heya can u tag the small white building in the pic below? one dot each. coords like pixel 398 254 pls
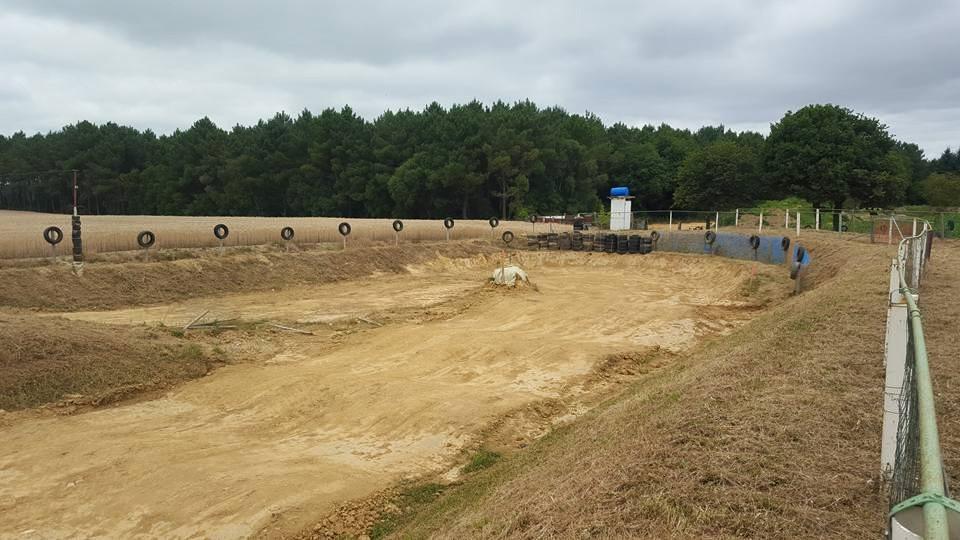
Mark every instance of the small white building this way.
pixel 621 215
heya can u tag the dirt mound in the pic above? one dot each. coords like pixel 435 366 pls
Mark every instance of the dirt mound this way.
pixel 112 285
pixel 772 432
pixel 49 360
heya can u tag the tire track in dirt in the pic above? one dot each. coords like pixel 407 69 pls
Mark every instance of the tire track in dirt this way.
pixel 254 444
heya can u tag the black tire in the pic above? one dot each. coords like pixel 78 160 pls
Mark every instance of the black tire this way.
pixel 784 243
pixel 146 239
pixel 494 222
pixel 344 228
pixel 448 223
pixel 754 242
pixel 801 252
pixel 53 235
pixel 221 231
pixel 844 228
pixel 287 233
pixel 507 237
pixel 397 225
pixel 710 237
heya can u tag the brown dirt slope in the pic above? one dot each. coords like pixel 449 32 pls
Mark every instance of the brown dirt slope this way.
pixel 771 432
pixel 48 359
pixel 113 285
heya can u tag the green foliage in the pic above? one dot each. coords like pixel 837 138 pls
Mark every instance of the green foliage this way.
pixel 482 459
pixel 470 160
pixel 829 154
pixel 722 175
pixel 787 203
pixel 943 189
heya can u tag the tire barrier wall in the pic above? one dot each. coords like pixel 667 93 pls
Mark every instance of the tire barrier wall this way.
pixel 734 246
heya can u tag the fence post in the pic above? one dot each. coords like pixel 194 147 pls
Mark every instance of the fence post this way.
pixel 798 224
pixel 760 228
pixel 716 223
pixel 736 218
pixel 894 359
pixel 840 228
pixel 818 219
pixel 670 224
pixel 914 227
pixel 786 219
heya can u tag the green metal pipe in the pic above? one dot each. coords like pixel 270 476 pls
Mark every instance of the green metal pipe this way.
pixel 931 464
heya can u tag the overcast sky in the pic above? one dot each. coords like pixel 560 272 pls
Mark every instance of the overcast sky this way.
pixel 164 64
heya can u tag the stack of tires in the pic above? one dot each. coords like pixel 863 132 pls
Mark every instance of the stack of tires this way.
pixel 576 241
pixel 564 242
pixel 633 243
pixel 622 243
pixel 76 238
pixel 610 243
pixel 553 241
pixel 646 245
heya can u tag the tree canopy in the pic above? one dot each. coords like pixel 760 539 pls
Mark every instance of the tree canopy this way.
pixel 470 160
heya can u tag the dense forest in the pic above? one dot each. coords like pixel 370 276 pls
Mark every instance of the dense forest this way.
pixel 469 160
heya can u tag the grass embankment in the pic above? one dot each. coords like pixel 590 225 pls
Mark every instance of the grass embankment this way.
pixel 771 432
pixel 109 285
pixel 47 360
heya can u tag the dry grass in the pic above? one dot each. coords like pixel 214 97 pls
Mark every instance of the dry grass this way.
pixel 108 285
pixel 21 232
pixel 771 432
pixel 46 360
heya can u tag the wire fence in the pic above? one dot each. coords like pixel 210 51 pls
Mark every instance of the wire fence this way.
pixel 911 460
pixel 879 226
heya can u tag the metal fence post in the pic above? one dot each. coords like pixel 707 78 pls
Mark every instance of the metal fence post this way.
pixel 786 219
pixel 760 227
pixel 716 223
pixel 818 219
pixel 736 218
pixel 798 224
pixel 670 224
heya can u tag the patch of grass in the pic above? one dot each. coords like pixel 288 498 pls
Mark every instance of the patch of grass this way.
pixel 410 501
pixel 191 353
pixel 176 332
pixel 481 460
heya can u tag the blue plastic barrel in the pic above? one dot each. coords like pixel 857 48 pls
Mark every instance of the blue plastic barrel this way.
pixel 620 192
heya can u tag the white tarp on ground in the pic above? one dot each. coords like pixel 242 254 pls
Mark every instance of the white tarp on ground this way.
pixel 508 275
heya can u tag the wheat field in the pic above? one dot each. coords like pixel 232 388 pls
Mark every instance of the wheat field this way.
pixel 21 233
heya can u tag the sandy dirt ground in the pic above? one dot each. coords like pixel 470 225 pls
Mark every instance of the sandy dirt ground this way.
pixel 279 443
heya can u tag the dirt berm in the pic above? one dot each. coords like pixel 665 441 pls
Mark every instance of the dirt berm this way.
pixel 770 432
pixel 106 285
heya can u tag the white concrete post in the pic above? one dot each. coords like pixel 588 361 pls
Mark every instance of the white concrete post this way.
pixel 798 223
pixel 818 219
pixel 890 231
pixel 840 229
pixel 736 218
pixel 786 219
pixel 914 227
pixel 670 224
pixel 760 228
pixel 716 223
pixel 894 358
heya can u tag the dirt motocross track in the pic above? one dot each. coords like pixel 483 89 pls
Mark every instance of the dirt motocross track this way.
pixel 281 442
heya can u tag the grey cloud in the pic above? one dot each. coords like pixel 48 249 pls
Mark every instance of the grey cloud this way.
pixel 742 63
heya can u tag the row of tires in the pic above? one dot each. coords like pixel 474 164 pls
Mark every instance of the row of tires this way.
pixel 145 239
pixel 608 243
